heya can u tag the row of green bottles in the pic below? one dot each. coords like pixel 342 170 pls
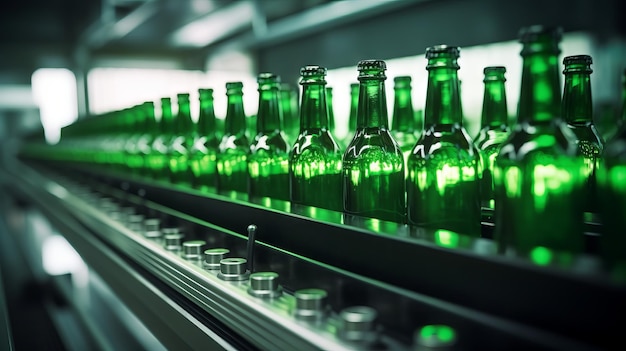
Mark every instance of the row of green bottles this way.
pixel 538 177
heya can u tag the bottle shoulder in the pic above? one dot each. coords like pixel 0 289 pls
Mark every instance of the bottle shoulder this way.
pixel 273 142
pixel 446 139
pixel 234 143
pixel 539 138
pixel 319 142
pixel 490 138
pixel 373 143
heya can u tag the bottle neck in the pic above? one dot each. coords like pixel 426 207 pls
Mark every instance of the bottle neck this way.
pixel 184 124
pixel 269 113
pixel 403 114
pixel 167 119
pixel 206 118
pixel 372 108
pixel 495 112
pixel 443 99
pixel 149 122
pixel 235 122
pixel 314 111
pixel 540 95
pixel 577 106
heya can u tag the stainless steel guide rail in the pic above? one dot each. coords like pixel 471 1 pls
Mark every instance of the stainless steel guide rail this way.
pixel 271 324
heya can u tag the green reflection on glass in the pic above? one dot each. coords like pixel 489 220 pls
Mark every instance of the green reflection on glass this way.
pixel 446 238
pixel 441 333
pixel 541 255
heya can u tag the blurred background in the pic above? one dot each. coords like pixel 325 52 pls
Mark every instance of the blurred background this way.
pixel 67 59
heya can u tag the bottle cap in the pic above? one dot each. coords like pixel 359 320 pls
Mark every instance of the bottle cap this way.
pixel 205 91
pixel 182 96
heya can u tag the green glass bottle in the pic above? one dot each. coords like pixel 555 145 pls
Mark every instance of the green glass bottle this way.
pixel 315 159
pixel 537 177
pixel 288 105
pixel 577 111
pixel 373 165
pixel 403 126
pixel 159 151
pixel 206 145
pixel 443 182
pixel 612 198
pixel 494 129
pixel 181 143
pixel 268 162
pixel 232 159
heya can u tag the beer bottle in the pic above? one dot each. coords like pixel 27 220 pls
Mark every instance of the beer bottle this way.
pixel 442 185
pixel 494 129
pixel 403 127
pixel 206 145
pixel 537 177
pixel 373 165
pixel 612 197
pixel 232 166
pixel 315 159
pixel 577 111
pixel 159 151
pixel 181 143
pixel 268 163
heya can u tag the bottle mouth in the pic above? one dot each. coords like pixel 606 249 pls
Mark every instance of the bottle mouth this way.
pixel 442 56
pixel 494 73
pixel 442 51
pixel 372 69
pixel 268 81
pixel 234 85
pixel 577 64
pixel 540 39
pixel 313 74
